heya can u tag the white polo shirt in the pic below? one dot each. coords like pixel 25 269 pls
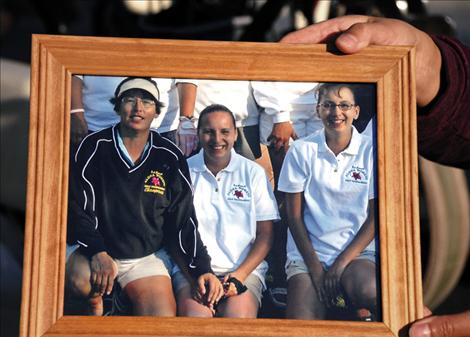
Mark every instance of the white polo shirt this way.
pixel 235 95
pixel 337 190
pixel 287 101
pixel 228 207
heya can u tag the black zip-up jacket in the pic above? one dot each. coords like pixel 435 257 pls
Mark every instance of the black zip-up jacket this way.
pixel 131 211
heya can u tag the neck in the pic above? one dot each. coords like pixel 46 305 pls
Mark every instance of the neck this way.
pixel 338 142
pixel 134 141
pixel 215 166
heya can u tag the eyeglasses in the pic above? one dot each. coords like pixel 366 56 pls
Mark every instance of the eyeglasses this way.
pixel 343 106
pixel 146 102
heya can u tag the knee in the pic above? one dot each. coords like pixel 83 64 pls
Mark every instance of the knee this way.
pixel 363 294
pixel 190 308
pixel 79 285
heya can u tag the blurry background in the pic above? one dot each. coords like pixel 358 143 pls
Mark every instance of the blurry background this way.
pixel 444 197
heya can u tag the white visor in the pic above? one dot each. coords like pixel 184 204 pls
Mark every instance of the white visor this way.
pixel 140 83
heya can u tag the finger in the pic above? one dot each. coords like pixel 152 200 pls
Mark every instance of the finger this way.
pixel 322 31
pixel 201 286
pixel 104 283
pixel 294 135
pixel 442 326
pixel 110 286
pixel 427 312
pixel 286 146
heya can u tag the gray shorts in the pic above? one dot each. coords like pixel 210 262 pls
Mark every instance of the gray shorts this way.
pixel 252 282
pixel 156 264
pixel 294 267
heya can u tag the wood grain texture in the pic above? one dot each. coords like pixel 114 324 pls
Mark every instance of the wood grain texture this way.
pixel 55 58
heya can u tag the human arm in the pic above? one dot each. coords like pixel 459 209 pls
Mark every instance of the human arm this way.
pixel 280 135
pixel 183 241
pixel 357 32
pixel 82 229
pixel 363 238
pixel 187 133
pixel 259 250
pixel 294 207
pixel 442 78
pixel 78 124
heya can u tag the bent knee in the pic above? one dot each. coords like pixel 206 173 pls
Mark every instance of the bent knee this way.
pixel 79 285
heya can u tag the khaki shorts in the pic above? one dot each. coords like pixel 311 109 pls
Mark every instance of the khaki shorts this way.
pixel 252 282
pixel 156 264
pixel 299 267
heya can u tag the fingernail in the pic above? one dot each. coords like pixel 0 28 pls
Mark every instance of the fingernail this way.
pixel 348 40
pixel 420 330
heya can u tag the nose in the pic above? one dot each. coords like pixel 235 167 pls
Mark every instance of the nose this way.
pixel 138 106
pixel 217 136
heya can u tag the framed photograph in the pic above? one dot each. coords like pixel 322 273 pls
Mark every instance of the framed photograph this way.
pixel 388 70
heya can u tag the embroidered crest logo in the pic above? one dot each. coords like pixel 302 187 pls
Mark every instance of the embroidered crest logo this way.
pixel 356 175
pixel 239 192
pixel 155 183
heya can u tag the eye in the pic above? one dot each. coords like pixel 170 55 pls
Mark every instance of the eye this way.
pixel 147 101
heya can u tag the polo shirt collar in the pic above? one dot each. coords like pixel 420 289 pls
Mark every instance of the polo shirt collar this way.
pixel 200 166
pixel 353 147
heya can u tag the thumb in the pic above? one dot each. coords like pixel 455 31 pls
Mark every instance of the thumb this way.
pixel 457 325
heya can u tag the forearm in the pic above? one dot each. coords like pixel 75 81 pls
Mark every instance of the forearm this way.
pixel 362 239
pixel 299 232
pixel 259 250
pixel 187 98
pixel 445 123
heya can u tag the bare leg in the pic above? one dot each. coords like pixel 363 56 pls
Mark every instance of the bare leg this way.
pixel 77 282
pixel 152 296
pixel 302 299
pixel 188 306
pixel 239 306
pixel 359 283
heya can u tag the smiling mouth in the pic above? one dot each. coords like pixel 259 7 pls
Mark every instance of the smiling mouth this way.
pixel 136 117
pixel 336 121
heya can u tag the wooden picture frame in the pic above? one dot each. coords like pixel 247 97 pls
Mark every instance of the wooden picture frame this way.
pixel 56 58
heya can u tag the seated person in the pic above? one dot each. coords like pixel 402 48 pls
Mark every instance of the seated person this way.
pixel 328 178
pixel 235 207
pixel 131 211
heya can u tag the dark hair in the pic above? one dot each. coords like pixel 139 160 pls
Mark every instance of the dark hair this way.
pixel 215 108
pixel 325 88
pixel 117 102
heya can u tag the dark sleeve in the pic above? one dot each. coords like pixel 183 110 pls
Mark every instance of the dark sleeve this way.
pixel 444 125
pixel 181 233
pixel 81 219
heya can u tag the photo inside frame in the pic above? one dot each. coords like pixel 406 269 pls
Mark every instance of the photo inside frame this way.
pixel 338 193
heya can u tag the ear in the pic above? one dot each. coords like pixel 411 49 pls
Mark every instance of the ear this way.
pixel 236 134
pixel 358 109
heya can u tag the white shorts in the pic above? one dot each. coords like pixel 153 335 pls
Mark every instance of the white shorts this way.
pixel 252 282
pixel 156 264
pixel 294 267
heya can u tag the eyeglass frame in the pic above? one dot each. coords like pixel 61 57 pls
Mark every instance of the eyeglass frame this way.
pixel 331 105
pixel 146 102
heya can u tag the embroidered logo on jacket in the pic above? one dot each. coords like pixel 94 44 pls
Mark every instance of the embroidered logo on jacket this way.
pixel 239 192
pixel 154 183
pixel 356 175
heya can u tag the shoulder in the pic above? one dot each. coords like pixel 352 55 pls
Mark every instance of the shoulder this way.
pixel 164 144
pixel 90 143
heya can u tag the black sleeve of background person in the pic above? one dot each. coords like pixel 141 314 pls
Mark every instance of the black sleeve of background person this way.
pixel 366 98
